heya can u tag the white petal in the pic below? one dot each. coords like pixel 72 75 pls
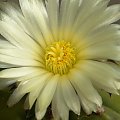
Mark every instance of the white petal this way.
pixel 59 108
pixel 42 19
pixel 6 65
pixel 15 98
pixel 26 87
pixel 101 74
pixel 83 86
pixel 105 34
pixel 55 110
pixel 39 114
pixel 17 72
pixel 112 14
pixel 62 19
pixel 53 10
pixel 35 13
pixel 116 69
pixel 99 35
pixel 68 13
pixel 21 53
pixel 12 13
pixel 72 11
pixel 31 84
pixel 36 73
pixel 19 61
pixel 5 44
pixel 88 21
pixel 100 51
pixel 46 95
pixel 15 17
pixel 70 96
pixel 17 36
pixel 33 95
pixel 87 105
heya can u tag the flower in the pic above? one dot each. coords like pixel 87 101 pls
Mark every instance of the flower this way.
pixel 60 53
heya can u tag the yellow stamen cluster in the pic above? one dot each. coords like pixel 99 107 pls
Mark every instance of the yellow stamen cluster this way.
pixel 60 57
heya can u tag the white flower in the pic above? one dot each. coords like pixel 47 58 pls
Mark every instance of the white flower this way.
pixel 59 52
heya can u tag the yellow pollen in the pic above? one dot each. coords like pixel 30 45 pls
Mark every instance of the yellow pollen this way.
pixel 60 57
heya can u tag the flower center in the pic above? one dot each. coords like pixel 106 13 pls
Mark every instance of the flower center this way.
pixel 60 57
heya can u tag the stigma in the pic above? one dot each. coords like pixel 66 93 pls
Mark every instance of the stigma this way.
pixel 60 57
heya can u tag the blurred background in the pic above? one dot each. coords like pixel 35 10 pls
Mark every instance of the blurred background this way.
pixel 17 112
